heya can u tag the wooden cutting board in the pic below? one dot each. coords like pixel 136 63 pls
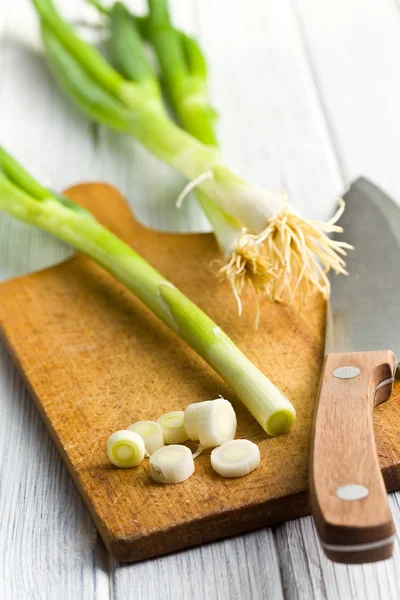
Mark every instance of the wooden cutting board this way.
pixel 95 360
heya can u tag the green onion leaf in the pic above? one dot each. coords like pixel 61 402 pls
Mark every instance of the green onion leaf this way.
pixel 195 59
pixel 127 47
pixel 72 205
pixel 87 56
pixel 17 174
pixel 95 101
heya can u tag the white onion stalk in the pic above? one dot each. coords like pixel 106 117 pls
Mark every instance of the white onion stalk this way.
pixel 216 423
pixel 235 458
pixel 173 429
pixel 265 242
pixel 151 433
pixel 171 464
pixel 125 449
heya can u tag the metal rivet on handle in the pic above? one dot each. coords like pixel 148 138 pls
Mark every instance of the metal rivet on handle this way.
pixel 352 491
pixel 346 372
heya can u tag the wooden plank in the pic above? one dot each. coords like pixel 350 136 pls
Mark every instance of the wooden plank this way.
pixel 307 573
pixel 242 568
pixel 353 49
pixel 200 572
pixel 270 32
pixel 70 149
pixel 47 538
pixel 37 122
pixel 48 541
pixel 272 128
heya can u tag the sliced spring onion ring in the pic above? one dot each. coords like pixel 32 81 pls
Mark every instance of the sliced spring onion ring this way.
pixel 216 423
pixel 191 419
pixel 235 458
pixel 152 434
pixel 171 464
pixel 173 427
pixel 125 449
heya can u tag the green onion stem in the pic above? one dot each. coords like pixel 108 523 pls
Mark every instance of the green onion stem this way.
pixel 183 70
pixel 189 98
pixel 264 400
pixel 100 7
pixel 186 66
pixel 190 103
pixel 184 73
pixel 193 53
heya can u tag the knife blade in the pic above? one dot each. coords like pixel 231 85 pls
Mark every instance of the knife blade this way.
pixel 348 496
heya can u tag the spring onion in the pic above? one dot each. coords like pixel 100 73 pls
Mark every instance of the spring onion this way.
pixel 212 422
pixel 191 419
pixel 235 458
pixel 125 449
pixel 25 199
pixel 151 433
pixel 282 254
pixel 171 464
pixel 184 73
pixel 216 423
pixel 173 428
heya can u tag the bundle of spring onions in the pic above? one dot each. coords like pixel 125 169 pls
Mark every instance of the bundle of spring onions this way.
pixel 24 198
pixel 265 242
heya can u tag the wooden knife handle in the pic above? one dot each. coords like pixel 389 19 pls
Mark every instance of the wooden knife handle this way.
pixel 348 495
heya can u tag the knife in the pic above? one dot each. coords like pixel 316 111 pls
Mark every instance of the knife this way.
pixel 347 492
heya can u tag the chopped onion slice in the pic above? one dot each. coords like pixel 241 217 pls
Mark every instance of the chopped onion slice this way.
pixel 125 449
pixel 171 464
pixel 152 434
pixel 191 419
pixel 216 422
pixel 235 458
pixel 173 428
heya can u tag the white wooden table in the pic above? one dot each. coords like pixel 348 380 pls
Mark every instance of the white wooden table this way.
pixel 309 96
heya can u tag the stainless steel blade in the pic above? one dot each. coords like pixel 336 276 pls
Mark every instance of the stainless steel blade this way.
pixel 364 309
